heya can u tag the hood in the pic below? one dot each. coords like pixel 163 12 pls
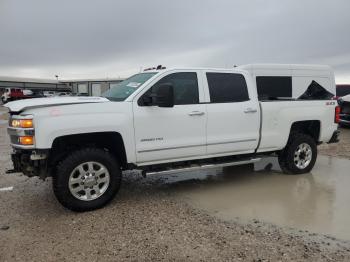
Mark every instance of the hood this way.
pixel 20 105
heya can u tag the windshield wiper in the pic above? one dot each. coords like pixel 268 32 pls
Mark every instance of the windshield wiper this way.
pixel 114 99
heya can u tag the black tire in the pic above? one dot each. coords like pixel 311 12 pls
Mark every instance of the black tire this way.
pixel 286 156
pixel 73 160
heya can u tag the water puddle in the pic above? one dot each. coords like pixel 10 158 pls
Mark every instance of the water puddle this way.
pixel 317 202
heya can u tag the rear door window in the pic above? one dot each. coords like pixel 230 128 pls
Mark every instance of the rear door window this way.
pixel 227 87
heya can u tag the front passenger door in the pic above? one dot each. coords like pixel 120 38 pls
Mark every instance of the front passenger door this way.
pixel 174 133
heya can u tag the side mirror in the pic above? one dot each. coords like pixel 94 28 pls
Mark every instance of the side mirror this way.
pixel 165 95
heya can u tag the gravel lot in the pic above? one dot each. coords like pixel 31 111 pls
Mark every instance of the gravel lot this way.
pixel 145 222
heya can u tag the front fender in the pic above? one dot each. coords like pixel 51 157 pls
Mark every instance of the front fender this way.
pixel 78 119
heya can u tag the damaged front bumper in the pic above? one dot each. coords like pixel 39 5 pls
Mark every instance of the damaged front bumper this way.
pixel 30 162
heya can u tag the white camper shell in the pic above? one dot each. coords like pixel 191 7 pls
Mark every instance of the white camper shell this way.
pixel 301 76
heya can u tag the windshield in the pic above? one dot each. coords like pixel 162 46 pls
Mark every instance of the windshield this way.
pixel 122 90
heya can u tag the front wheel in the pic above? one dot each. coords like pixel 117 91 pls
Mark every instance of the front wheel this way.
pixel 87 179
pixel 299 155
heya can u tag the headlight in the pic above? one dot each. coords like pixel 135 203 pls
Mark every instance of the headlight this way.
pixel 21 131
pixel 21 123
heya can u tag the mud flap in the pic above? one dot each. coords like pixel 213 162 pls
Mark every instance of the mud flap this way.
pixel 335 137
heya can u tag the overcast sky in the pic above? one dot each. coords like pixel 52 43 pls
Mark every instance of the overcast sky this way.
pixel 88 39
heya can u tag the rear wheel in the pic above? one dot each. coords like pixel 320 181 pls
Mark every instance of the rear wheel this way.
pixel 87 179
pixel 299 155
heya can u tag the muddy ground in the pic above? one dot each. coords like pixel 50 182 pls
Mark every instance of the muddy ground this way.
pixel 341 149
pixel 145 222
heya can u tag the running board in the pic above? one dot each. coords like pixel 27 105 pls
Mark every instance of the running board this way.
pixel 203 166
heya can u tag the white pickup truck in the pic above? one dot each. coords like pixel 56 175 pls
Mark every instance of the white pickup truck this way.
pixel 174 120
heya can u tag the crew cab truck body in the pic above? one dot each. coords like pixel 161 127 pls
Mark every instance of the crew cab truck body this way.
pixel 171 120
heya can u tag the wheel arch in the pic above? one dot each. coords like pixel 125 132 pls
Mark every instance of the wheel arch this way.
pixel 110 141
pixel 308 127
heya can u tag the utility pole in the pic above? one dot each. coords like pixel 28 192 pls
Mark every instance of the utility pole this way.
pixel 56 83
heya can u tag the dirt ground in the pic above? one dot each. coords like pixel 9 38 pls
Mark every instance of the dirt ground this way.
pixel 145 222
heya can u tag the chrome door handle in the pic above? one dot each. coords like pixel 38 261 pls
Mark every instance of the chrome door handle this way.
pixel 250 110
pixel 196 113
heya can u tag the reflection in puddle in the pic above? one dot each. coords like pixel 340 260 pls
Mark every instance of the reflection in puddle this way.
pixel 318 202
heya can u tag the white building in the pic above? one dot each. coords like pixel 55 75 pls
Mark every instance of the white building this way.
pixel 87 87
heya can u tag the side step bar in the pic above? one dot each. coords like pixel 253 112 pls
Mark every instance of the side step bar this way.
pixel 203 166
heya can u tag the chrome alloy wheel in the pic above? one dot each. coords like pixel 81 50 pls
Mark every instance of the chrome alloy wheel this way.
pixel 89 181
pixel 303 155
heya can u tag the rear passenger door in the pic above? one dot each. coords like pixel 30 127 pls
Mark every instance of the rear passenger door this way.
pixel 232 114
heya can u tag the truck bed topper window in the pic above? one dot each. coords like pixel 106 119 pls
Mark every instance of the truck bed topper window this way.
pixel 273 87
pixel 316 92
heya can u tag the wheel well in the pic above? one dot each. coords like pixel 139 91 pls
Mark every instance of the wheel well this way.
pixel 110 141
pixel 310 127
